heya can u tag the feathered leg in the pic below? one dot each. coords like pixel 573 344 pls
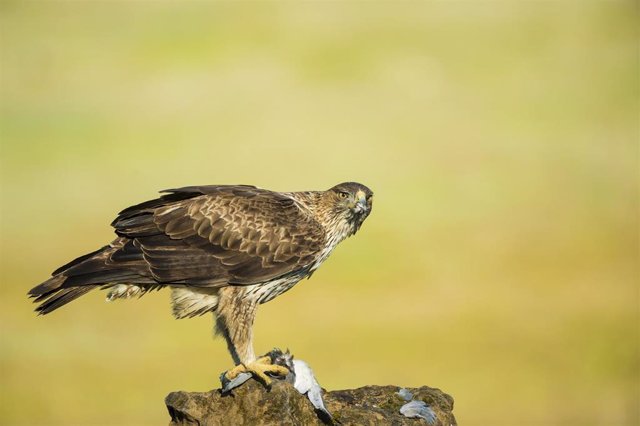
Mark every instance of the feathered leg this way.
pixel 234 321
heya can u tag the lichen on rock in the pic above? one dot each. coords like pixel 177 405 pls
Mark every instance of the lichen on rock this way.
pixel 282 404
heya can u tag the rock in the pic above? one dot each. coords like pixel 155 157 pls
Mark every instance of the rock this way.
pixel 252 404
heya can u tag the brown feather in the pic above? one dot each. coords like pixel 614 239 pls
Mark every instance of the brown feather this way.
pixel 206 236
pixel 225 249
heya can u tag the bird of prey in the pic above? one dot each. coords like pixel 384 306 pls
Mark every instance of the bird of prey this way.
pixel 219 248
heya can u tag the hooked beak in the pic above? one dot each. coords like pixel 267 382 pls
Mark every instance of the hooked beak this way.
pixel 361 205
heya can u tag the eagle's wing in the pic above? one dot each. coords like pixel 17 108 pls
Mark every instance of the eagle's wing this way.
pixel 215 235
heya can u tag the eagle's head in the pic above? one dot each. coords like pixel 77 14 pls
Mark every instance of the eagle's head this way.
pixel 348 204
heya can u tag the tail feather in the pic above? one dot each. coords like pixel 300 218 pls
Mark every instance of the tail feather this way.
pixel 61 298
pixel 82 275
pixel 44 289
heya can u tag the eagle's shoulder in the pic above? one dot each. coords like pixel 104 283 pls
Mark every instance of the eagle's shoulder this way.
pixel 171 196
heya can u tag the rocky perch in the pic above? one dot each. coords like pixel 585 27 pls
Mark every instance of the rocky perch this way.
pixel 253 404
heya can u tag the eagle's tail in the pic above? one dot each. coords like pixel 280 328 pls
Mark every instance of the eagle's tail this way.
pixel 59 296
pixel 79 277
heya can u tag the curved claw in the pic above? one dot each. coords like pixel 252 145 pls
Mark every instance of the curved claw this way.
pixel 258 369
pixel 229 385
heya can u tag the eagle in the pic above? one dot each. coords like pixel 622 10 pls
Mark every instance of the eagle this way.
pixel 224 249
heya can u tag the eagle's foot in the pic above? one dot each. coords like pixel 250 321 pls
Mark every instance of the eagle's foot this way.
pixel 259 369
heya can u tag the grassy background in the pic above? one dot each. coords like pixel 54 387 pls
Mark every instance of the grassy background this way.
pixel 501 139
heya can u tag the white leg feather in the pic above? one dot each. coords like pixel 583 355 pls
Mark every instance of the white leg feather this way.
pixel 189 302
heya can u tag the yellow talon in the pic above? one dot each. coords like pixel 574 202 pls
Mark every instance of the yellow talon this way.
pixel 258 369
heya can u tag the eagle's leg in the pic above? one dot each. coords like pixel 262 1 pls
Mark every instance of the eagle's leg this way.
pixel 234 321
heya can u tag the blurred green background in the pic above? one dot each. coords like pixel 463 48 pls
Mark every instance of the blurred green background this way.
pixel 501 140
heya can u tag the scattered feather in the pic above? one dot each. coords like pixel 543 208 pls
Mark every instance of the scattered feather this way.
pixel 405 394
pixel 418 409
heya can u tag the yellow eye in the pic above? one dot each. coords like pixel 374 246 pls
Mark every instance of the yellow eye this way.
pixel 343 195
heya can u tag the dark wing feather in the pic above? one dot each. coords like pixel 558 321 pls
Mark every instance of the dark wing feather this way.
pixel 90 271
pixel 215 235
pixel 205 235
pixel 61 298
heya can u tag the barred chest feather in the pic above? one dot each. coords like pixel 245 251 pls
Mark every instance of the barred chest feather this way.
pixel 265 292
pixel 272 289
